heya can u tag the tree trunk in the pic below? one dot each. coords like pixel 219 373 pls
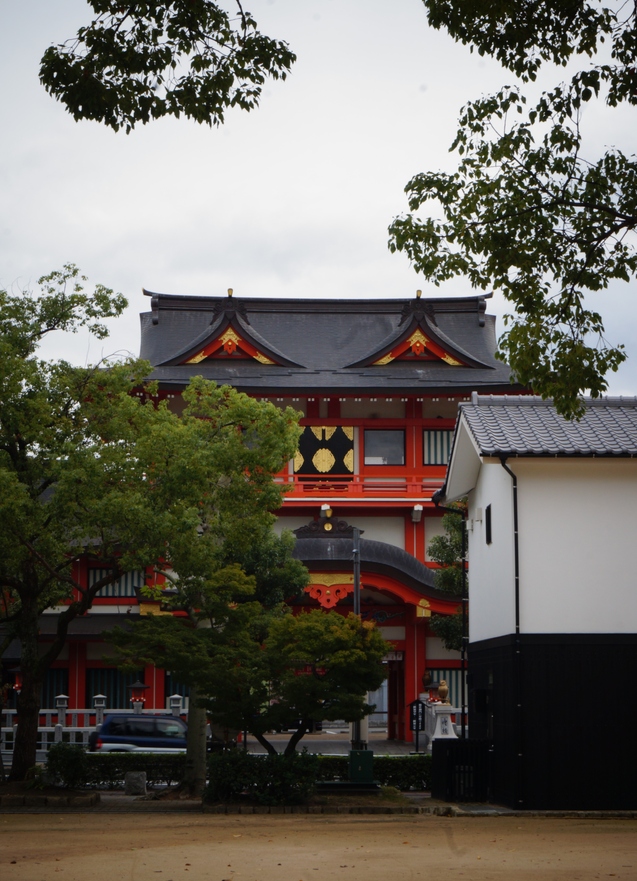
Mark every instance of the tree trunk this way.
pixel 1 759
pixel 26 741
pixel 265 743
pixel 28 703
pixel 290 749
pixel 195 777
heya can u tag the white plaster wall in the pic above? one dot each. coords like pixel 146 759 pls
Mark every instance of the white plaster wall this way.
pixel 578 530
pixel 290 523
pixel 396 633
pixel 387 529
pixel 437 652
pixel 491 567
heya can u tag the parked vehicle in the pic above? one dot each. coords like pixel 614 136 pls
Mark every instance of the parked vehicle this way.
pixel 140 733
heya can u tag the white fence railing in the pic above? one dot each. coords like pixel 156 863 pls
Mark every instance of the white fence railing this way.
pixel 70 726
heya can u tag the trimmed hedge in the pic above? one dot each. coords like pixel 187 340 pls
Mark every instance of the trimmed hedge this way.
pixel 403 772
pixel 67 765
pixel 268 780
pixel 109 769
pixel 71 766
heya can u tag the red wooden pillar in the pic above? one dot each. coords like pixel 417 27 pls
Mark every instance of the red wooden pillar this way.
pixel 156 694
pixel 77 675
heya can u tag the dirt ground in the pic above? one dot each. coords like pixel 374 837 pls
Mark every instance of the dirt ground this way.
pixel 91 847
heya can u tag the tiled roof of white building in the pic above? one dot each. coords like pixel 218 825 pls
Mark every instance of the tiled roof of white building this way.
pixel 528 426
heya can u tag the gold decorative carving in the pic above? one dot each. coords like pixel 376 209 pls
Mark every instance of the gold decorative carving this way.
pixel 330 578
pixel 197 358
pixel 348 431
pixel 443 692
pixel 384 360
pixel 418 337
pixel 327 527
pixel 348 461
pixel 449 360
pixel 230 335
pixel 317 431
pixel 262 359
pixel 329 431
pixel 298 461
pixel 418 342
pixel 151 609
pixel 323 460
pixel 423 609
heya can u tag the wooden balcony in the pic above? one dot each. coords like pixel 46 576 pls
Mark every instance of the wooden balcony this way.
pixel 359 487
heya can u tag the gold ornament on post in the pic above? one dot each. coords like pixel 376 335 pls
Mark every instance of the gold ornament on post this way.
pixel 443 692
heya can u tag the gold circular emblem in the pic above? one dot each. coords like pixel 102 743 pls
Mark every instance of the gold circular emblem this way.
pixel 327 527
pixel 323 460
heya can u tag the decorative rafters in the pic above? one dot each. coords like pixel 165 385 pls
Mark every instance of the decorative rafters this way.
pixel 229 343
pixel 421 346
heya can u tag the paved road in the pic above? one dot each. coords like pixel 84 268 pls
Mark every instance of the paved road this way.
pixel 332 742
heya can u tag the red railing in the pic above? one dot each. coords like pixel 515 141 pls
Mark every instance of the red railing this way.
pixel 364 486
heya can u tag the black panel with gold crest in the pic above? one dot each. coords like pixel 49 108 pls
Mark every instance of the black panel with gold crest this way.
pixel 325 450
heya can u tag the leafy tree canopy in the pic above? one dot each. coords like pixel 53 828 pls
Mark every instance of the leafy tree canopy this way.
pixel 136 62
pixel 93 468
pixel 263 670
pixel 527 211
pixel 447 550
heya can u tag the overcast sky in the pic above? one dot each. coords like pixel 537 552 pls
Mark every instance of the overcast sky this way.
pixel 290 200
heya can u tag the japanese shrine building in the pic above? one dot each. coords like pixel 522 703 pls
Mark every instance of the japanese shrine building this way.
pixel 378 383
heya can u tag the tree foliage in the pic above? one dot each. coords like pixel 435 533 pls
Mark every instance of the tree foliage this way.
pixel 528 212
pixel 94 468
pixel 265 670
pixel 447 551
pixel 136 62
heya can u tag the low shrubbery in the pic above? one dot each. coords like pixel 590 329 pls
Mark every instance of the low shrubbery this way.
pixel 69 765
pixel 233 774
pixel 402 772
pixel 276 780
pixel 267 780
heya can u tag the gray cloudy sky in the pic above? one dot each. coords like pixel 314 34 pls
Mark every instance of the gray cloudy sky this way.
pixel 290 200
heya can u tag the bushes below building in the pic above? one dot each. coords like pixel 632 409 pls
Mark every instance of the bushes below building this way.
pixel 266 780
pixel 232 774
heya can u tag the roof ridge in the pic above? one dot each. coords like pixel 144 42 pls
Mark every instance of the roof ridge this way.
pixel 536 401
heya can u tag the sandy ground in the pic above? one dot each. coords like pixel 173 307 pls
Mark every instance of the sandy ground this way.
pixel 141 847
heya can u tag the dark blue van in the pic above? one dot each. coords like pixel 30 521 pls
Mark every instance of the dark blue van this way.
pixel 140 733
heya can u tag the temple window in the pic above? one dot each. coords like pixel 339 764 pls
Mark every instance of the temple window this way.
pixel 123 587
pixel 384 446
pixel 436 446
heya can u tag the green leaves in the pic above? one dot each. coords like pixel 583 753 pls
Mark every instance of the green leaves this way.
pixel 527 212
pixel 446 550
pixel 135 63
pixel 524 35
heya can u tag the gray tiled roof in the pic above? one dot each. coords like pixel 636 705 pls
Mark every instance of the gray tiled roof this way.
pixel 529 426
pixel 322 340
